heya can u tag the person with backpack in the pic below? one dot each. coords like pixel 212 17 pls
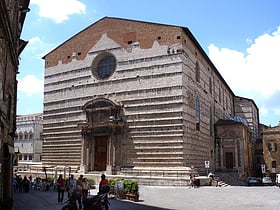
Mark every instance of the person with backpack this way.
pixel 104 187
pixel 60 188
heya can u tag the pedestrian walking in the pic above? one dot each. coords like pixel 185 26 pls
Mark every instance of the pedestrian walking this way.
pixel 211 176
pixel 20 183
pixel 80 191
pixel 219 179
pixel 71 185
pixel 25 184
pixel 60 188
pixel 85 188
pixel 103 185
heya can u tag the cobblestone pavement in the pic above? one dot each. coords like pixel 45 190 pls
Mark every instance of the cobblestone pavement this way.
pixel 181 198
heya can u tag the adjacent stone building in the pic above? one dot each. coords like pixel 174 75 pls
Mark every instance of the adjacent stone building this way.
pixel 271 146
pixel 131 94
pixel 236 139
pixel 28 140
pixel 12 15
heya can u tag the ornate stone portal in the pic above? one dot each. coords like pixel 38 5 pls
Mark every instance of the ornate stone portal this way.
pixel 102 133
pixel 232 147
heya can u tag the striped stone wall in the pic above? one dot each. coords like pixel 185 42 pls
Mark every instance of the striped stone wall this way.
pixel 155 84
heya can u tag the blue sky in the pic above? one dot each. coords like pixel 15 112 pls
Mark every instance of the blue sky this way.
pixel 241 37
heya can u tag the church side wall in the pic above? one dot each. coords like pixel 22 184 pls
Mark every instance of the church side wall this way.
pixel 215 102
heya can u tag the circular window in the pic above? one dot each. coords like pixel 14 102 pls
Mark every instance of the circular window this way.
pixel 104 65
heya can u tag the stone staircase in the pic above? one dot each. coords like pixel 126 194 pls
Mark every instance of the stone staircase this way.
pixel 173 176
pixel 230 179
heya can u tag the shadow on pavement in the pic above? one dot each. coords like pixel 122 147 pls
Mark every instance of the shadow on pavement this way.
pixel 47 200
pixel 124 204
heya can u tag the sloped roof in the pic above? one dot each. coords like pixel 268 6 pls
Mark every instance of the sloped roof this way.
pixel 233 120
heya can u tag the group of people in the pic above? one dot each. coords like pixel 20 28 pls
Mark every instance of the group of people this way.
pixel 74 187
pixel 22 185
pixel 195 182
pixel 77 189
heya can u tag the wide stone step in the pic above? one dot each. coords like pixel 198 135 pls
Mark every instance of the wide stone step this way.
pixel 163 136
pixel 157 173
pixel 160 153
pixel 145 126
pixel 156 147
pixel 159 158
pixel 158 164
pixel 155 133
pixel 158 141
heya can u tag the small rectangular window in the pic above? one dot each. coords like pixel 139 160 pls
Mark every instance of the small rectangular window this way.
pixel 273 164
pixel 272 147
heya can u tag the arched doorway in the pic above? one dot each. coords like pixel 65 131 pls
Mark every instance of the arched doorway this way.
pixel 102 133
pixel 100 153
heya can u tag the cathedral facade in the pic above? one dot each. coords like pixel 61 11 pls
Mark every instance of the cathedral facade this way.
pixel 131 94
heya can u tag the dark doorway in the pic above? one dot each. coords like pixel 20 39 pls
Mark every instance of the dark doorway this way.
pixel 100 153
pixel 229 160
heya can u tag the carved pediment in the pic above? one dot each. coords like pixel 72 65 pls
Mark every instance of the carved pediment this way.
pixel 228 134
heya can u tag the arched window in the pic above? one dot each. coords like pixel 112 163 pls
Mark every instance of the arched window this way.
pixel 197 72
pixel 25 135
pixel 197 114
pixel 20 136
pixel 30 135
pixel 210 85
pixel 104 65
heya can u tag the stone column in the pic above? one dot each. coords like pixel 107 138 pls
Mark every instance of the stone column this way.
pixel 109 156
pixel 83 152
pixel 222 153
pixel 242 152
pixel 236 153
pixel 217 154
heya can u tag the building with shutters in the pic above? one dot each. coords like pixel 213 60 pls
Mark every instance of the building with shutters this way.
pixel 28 141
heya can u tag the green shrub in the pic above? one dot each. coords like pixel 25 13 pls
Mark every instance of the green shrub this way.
pixel 50 179
pixel 130 186
pixel 91 181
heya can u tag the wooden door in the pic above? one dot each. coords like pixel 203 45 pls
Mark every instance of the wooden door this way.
pixel 229 160
pixel 100 153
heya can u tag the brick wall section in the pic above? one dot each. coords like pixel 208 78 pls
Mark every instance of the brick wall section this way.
pixel 118 30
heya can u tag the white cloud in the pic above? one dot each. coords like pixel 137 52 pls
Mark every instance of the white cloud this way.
pixel 263 111
pixel 37 48
pixel 254 74
pixel 258 70
pixel 31 85
pixel 59 10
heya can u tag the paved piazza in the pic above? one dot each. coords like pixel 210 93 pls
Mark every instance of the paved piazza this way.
pixel 181 198
pixel 232 197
